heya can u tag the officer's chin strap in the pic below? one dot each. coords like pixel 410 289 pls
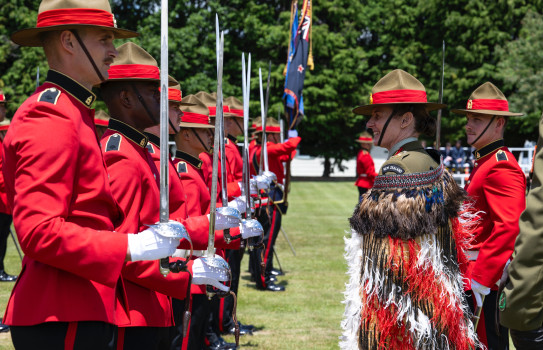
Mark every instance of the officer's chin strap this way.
pixel 78 38
pixel 386 126
pixel 199 139
pixel 484 130
pixel 237 123
pixel 142 101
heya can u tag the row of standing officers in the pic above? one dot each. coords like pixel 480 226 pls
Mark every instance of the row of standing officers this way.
pixel 84 212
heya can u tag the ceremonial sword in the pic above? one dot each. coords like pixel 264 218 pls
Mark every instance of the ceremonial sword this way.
pixel 246 88
pixel 263 114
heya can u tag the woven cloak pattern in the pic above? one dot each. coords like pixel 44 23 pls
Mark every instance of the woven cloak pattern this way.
pixel 406 247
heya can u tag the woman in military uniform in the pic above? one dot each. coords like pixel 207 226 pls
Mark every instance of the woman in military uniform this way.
pixel 405 289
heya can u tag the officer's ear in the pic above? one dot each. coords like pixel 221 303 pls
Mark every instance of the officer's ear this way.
pixel 67 39
pixel 406 119
pixel 125 98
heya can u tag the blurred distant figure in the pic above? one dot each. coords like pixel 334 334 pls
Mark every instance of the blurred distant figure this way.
pixel 447 156
pixel 365 169
pixel 458 156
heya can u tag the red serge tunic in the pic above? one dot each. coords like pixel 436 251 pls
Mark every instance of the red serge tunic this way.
pixel 63 211
pixel 134 181
pixel 497 185
pixel 365 170
pixel 276 153
pixel 198 203
pixel 4 206
pixel 234 169
pixel 196 225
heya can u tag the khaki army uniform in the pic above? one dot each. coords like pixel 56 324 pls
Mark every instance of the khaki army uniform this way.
pixel 521 302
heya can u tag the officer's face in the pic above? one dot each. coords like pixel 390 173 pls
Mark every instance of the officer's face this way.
pixel 99 43
pixel 476 124
pixel 205 136
pixel 273 137
pixel 175 116
pixel 148 108
pixel 231 127
pixel 376 123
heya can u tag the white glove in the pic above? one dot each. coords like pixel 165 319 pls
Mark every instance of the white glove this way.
pixel 150 245
pixel 262 182
pixel 211 271
pixel 238 203
pixel 223 222
pixel 478 291
pixel 250 228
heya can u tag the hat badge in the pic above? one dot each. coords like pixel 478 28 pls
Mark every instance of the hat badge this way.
pixel 371 99
pixel 114 21
pixel 470 104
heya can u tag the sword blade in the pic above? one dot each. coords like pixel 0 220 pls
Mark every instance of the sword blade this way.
pixel 246 88
pixel 164 171
pixel 264 152
pixel 216 145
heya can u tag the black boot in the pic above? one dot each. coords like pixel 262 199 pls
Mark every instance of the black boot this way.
pixel 4 277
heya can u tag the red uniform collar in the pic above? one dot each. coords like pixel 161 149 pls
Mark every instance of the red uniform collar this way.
pixel 488 149
pixel 72 87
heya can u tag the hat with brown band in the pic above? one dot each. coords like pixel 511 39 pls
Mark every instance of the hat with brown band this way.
pixel 487 99
pixel 235 106
pixel 195 114
pixel 101 118
pixel 135 64
pixel 70 14
pixel 272 126
pixel 210 100
pixel 397 87
pixel 365 138
pixel 2 97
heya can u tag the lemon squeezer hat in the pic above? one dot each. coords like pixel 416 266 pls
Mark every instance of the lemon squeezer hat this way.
pixel 487 99
pixel 4 124
pixel 235 107
pixel 210 100
pixel 174 92
pixel 272 126
pixel 135 64
pixel 365 137
pixel 70 14
pixel 195 114
pixel 101 118
pixel 397 87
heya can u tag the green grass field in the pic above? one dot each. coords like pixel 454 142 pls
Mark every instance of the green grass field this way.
pixel 307 315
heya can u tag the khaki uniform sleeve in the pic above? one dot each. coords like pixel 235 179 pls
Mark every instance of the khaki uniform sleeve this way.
pixel 522 299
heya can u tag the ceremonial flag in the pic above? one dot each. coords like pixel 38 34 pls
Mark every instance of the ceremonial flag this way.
pixel 297 63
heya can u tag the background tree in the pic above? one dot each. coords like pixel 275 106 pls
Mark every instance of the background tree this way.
pixel 354 44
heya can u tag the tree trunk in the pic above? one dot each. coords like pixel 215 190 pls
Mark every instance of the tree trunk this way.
pixel 327 167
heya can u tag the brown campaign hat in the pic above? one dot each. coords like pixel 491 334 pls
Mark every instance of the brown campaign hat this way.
pixel 135 64
pixel 70 14
pixel 397 87
pixel 101 118
pixel 210 100
pixel 174 92
pixel 195 114
pixel 487 99
pixel 3 97
pixel 272 126
pixel 235 106
pixel 365 137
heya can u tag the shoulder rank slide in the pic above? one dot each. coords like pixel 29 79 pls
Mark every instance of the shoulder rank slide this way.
pixel 50 95
pixel 150 148
pixel 113 143
pixel 182 167
pixel 501 155
pixel 393 168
